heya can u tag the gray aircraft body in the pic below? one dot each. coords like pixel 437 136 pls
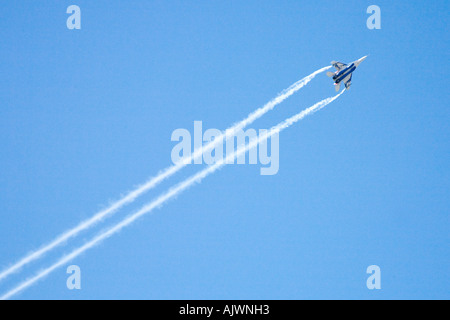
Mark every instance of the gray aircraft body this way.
pixel 344 73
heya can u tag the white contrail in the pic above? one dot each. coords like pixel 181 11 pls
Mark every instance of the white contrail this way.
pixel 170 194
pixel 166 173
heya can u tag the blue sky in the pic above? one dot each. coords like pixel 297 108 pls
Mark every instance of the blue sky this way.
pixel 87 114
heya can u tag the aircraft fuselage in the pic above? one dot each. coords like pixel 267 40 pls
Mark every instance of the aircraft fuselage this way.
pixel 342 74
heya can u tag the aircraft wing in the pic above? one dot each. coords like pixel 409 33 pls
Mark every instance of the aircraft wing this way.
pixel 348 81
pixel 338 65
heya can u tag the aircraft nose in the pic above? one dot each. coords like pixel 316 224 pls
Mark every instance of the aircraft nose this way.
pixel 357 63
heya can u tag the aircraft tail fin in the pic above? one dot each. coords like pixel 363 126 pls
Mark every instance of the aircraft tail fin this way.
pixel 330 74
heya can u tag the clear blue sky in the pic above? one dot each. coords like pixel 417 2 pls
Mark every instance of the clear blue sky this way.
pixel 87 114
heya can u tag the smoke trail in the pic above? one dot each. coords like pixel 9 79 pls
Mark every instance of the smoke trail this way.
pixel 151 183
pixel 171 193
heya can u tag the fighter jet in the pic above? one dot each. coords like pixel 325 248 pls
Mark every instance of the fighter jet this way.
pixel 344 73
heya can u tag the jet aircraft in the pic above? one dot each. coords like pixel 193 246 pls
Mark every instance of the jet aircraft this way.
pixel 344 73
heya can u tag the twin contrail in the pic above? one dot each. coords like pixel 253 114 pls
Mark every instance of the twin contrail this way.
pixel 166 173
pixel 170 194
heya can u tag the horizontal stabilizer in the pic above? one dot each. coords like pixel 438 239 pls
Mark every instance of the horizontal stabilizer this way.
pixel 330 74
pixel 337 86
